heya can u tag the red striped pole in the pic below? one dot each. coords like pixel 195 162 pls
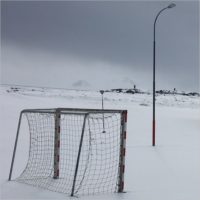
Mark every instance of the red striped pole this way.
pixel 122 151
pixel 57 145
pixel 154 133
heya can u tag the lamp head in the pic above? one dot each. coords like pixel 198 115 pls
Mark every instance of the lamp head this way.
pixel 101 91
pixel 171 5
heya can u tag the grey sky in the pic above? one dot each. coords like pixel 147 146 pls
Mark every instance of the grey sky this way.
pixel 108 44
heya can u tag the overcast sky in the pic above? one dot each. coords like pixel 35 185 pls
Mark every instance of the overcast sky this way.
pixel 99 45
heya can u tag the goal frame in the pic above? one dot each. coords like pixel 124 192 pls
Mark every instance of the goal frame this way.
pixel 79 111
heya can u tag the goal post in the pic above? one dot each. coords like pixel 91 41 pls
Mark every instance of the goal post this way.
pixel 78 157
pixel 15 146
pixel 74 151
pixel 122 150
pixel 57 144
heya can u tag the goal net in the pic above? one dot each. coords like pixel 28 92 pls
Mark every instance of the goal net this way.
pixel 75 151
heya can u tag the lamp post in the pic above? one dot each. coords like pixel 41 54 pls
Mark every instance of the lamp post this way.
pixel 154 63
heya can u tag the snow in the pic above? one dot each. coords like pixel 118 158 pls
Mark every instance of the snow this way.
pixel 170 170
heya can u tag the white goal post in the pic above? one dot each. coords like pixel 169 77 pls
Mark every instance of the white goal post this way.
pixel 74 151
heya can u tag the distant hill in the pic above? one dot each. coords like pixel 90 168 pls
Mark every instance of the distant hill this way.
pixel 81 84
pixel 161 92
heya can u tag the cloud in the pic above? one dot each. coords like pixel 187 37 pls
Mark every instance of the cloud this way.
pixel 38 68
pixel 58 43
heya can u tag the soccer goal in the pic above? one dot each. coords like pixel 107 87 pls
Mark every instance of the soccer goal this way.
pixel 74 151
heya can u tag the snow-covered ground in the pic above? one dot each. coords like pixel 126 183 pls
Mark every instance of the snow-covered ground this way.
pixel 169 171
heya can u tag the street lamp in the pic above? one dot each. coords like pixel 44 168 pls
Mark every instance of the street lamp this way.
pixel 154 63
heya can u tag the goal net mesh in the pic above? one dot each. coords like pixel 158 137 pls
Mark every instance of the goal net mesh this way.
pixel 98 167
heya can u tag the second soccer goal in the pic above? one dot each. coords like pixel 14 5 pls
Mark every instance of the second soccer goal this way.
pixel 74 151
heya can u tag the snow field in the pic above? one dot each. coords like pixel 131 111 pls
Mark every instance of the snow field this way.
pixel 168 171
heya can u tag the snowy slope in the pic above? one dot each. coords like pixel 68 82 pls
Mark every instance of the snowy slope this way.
pixel 168 171
pixel 86 95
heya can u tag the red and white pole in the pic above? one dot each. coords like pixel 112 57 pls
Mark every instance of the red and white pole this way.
pixel 122 151
pixel 57 145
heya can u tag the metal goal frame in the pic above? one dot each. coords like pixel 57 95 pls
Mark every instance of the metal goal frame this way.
pixel 57 112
